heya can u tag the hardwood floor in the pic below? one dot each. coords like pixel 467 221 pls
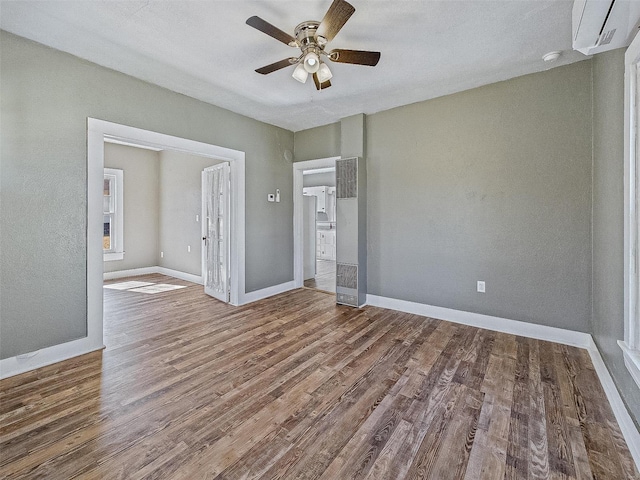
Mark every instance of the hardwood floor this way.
pixel 325 278
pixel 297 387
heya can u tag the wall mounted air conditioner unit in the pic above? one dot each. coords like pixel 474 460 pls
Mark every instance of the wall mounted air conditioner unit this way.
pixel 601 25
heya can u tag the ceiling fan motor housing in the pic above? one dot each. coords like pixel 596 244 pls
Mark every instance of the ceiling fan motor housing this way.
pixel 307 40
pixel 305 34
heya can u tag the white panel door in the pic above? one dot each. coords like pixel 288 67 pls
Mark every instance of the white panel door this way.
pixel 309 235
pixel 216 229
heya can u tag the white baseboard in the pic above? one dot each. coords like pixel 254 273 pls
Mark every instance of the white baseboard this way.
pixel 539 332
pixel 628 428
pixel 498 324
pixel 134 272
pixel 148 270
pixel 267 292
pixel 46 356
pixel 181 275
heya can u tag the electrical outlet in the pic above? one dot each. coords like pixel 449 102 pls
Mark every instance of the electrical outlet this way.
pixel 481 287
pixel 161 254
pixel 197 218
pixel 188 248
pixel 271 197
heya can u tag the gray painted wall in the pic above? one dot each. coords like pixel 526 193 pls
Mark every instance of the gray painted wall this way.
pixel 45 100
pixel 141 190
pixel 318 142
pixel 608 220
pixel 319 180
pixel 180 202
pixel 490 184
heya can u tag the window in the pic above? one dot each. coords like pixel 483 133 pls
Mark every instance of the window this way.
pixel 113 225
pixel 631 344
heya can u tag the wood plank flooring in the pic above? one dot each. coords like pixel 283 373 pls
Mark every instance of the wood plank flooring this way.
pixel 297 387
pixel 325 278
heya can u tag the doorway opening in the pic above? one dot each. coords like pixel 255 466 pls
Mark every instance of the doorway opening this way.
pixel 98 131
pixel 163 207
pixel 315 224
pixel 319 217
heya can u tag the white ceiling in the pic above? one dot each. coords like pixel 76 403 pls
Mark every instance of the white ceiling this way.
pixel 205 50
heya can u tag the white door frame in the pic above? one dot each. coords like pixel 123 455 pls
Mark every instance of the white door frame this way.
pixel 631 344
pixel 298 212
pixel 96 132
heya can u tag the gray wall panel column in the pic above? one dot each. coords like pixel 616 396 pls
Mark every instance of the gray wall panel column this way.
pixel 351 212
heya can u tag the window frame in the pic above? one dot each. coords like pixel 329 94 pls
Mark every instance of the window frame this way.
pixel 117 223
pixel 631 344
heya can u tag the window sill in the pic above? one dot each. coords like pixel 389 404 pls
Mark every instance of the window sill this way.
pixel 108 257
pixel 631 360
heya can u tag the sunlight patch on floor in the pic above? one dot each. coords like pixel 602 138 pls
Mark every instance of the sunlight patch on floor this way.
pixel 144 287
pixel 127 285
pixel 160 287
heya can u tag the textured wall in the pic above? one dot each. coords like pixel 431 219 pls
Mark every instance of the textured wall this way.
pixel 490 184
pixel 45 100
pixel 180 202
pixel 141 214
pixel 608 220
pixel 319 142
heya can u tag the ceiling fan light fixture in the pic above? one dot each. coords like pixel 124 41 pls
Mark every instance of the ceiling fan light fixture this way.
pixel 311 62
pixel 300 73
pixel 311 37
pixel 324 74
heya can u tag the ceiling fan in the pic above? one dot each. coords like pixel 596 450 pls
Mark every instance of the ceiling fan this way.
pixel 311 38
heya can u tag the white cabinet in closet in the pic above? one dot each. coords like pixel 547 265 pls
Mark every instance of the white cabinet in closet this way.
pixel 326 244
pixel 326 200
pixel 321 193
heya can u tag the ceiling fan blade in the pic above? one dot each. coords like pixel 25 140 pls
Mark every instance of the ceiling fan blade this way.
pixel 320 86
pixel 358 57
pixel 275 32
pixel 335 18
pixel 287 62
